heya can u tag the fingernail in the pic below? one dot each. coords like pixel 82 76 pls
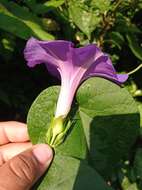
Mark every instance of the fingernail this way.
pixel 43 154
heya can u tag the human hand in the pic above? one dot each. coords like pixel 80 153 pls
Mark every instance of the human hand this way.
pixel 20 172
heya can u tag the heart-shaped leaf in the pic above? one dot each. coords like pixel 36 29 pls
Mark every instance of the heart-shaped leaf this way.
pixel 105 125
pixel 39 118
pixel 110 120
pixel 67 173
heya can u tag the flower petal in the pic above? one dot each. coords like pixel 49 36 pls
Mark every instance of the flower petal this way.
pixel 52 53
pixel 58 49
pixel 87 53
pixel 103 67
pixel 35 54
pixel 73 64
pixel 122 78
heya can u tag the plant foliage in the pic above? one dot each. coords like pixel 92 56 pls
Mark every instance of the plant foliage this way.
pixel 104 146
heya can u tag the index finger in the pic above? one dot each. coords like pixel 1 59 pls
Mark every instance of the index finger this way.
pixel 13 131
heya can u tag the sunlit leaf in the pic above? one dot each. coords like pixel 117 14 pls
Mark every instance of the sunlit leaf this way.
pixel 21 22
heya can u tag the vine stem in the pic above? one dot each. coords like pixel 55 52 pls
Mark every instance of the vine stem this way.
pixel 108 19
pixel 135 70
pixel 117 5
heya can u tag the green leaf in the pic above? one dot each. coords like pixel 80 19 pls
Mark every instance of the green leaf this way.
pixel 105 125
pixel 126 185
pixel 85 19
pixel 7 46
pixel 68 173
pixel 41 114
pixel 30 3
pixel 110 120
pixel 87 15
pixel 132 187
pixel 116 38
pixel 54 3
pixel 48 5
pixel 21 22
pixel 39 118
pixel 134 46
pixel 140 110
pixel 102 5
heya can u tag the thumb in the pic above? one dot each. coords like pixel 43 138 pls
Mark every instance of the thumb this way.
pixel 21 172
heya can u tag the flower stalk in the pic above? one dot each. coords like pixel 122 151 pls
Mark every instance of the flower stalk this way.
pixel 135 70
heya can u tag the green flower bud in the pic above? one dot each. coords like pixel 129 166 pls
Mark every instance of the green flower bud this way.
pixel 57 126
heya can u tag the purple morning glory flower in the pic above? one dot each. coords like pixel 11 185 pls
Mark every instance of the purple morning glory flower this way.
pixel 73 65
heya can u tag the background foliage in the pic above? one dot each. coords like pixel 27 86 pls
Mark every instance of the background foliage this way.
pixel 115 25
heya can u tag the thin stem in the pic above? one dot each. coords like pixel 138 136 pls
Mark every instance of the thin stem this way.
pixel 108 20
pixel 117 5
pixel 135 70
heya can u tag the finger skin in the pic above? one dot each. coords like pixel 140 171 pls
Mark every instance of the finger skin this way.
pixel 21 172
pixel 13 131
pixel 12 149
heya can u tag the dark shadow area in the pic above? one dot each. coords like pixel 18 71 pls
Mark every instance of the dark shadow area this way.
pixel 20 85
pixel 110 139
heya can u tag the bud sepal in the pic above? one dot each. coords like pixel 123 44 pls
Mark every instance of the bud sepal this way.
pixel 57 131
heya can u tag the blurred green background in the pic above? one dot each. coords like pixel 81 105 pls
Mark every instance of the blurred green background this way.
pixel 114 25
